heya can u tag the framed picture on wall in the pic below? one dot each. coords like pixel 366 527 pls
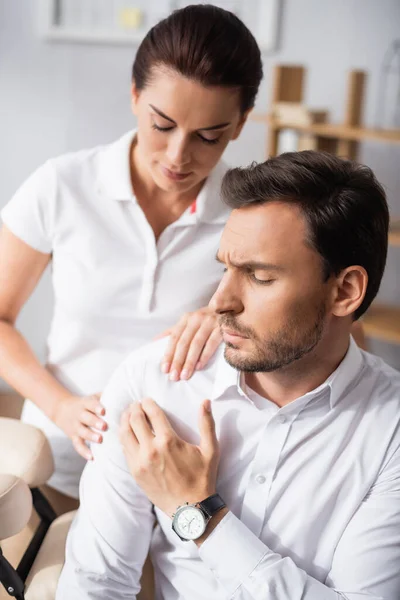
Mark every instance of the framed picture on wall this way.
pixel 127 21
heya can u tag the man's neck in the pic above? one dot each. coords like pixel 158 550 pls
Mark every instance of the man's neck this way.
pixel 302 376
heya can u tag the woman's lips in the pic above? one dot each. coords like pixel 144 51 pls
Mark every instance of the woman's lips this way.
pixel 174 175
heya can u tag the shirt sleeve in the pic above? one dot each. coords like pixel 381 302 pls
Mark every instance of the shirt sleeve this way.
pixel 109 539
pixel 365 564
pixel 30 213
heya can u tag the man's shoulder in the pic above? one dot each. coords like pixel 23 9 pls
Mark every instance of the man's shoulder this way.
pixel 140 376
pixel 146 357
pixel 145 362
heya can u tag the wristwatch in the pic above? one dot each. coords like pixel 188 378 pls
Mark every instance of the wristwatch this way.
pixel 190 520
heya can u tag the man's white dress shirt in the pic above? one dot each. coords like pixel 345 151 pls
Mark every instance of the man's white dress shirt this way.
pixel 313 490
pixel 115 287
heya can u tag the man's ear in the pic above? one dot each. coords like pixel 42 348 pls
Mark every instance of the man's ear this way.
pixel 241 124
pixel 134 97
pixel 349 291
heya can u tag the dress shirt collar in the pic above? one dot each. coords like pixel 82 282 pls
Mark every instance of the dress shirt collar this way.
pixel 336 384
pixel 114 181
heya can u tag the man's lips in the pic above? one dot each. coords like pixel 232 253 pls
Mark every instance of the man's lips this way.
pixel 231 333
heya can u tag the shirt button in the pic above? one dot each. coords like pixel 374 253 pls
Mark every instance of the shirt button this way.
pixel 281 419
pixel 260 479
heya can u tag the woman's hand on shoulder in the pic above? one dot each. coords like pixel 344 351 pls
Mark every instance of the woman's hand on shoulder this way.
pixel 80 417
pixel 193 341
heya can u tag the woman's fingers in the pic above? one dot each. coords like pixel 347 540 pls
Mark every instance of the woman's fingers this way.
pixel 192 334
pixel 163 334
pixel 195 351
pixel 81 448
pixel 88 435
pixel 89 419
pixel 209 349
pixel 92 420
pixel 176 333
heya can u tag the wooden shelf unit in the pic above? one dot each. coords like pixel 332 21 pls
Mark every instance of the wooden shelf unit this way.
pixel 288 112
pixel 394 233
pixel 383 322
pixel 333 131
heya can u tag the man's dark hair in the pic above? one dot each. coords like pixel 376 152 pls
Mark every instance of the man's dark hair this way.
pixel 204 43
pixel 343 204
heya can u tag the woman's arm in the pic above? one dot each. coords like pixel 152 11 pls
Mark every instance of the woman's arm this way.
pixel 21 268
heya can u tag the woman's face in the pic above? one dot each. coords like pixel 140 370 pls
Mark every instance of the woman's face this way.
pixel 183 129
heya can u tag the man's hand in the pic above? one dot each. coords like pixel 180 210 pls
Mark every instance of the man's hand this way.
pixel 193 341
pixel 169 470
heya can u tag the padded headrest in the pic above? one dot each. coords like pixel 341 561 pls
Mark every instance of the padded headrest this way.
pixel 15 505
pixel 25 452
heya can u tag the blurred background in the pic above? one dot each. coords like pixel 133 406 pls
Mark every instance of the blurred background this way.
pixel 61 92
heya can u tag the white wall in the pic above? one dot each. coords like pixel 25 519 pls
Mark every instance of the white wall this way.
pixel 60 97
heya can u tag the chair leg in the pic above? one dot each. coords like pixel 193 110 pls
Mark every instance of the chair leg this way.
pixel 10 579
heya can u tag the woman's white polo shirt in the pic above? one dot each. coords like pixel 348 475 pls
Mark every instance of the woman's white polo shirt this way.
pixel 115 288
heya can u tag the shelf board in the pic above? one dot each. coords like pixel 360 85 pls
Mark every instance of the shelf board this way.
pixel 330 130
pixel 58 34
pixel 383 322
pixel 394 233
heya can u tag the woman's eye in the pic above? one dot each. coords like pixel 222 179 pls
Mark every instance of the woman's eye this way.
pixel 209 141
pixel 158 128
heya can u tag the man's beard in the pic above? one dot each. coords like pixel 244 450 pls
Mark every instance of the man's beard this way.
pixel 283 348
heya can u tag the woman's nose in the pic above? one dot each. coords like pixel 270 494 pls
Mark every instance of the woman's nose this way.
pixel 178 151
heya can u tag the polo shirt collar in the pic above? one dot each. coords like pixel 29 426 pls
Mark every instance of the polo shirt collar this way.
pixel 114 181
pixel 338 383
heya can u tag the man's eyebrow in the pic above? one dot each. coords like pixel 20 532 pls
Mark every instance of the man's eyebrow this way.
pixel 252 264
pixel 164 116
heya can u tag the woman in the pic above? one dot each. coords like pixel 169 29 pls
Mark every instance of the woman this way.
pixel 131 230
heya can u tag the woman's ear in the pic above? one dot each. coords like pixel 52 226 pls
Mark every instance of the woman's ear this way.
pixel 134 97
pixel 349 292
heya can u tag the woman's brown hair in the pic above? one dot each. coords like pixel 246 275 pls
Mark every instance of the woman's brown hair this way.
pixel 206 44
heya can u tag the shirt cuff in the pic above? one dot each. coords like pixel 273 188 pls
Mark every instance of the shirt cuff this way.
pixel 232 552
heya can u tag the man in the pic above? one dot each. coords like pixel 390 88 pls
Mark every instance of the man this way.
pixel 293 426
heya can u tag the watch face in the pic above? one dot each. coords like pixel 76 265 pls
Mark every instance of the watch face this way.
pixel 189 522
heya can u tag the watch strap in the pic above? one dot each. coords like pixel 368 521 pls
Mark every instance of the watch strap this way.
pixel 212 504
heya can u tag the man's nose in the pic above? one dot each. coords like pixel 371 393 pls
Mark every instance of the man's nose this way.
pixel 226 298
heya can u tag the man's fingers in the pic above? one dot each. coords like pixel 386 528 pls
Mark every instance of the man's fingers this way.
pixel 126 435
pixel 158 419
pixel 140 425
pixel 208 436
